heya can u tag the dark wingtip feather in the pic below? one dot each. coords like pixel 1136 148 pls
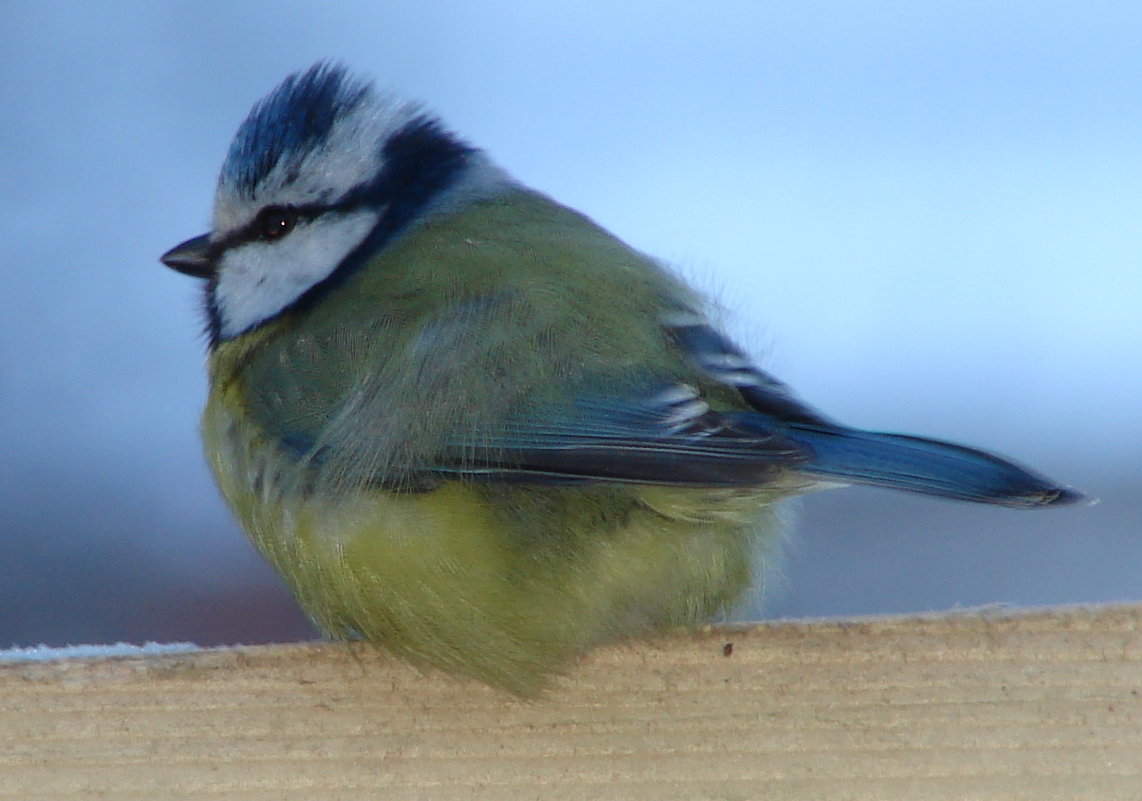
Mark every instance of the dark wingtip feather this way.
pixel 1061 496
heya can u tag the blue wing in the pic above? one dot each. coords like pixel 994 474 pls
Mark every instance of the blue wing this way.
pixel 847 455
pixel 667 434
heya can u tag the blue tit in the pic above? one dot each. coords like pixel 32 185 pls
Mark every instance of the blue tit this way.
pixel 468 424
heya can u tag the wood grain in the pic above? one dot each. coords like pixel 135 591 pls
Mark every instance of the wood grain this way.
pixel 1038 705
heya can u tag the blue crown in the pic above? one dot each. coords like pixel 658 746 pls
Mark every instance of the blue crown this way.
pixel 290 123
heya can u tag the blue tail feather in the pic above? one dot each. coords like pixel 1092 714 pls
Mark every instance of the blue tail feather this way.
pixel 926 466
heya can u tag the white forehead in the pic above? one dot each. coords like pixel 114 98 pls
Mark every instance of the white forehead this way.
pixel 349 155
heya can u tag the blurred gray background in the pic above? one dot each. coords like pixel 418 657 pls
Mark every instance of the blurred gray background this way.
pixel 924 216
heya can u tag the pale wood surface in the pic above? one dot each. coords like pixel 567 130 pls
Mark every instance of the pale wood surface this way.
pixel 1042 705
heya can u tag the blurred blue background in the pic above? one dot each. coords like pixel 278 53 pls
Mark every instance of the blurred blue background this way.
pixel 924 216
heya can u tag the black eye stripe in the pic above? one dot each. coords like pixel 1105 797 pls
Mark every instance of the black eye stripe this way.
pixel 254 231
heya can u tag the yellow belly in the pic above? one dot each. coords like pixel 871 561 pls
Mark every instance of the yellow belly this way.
pixel 506 583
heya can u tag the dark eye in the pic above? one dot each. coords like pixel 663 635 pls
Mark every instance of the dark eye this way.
pixel 274 222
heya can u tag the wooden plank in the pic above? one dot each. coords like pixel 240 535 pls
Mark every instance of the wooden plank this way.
pixel 1040 705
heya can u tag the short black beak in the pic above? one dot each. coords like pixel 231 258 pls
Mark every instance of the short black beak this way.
pixel 193 257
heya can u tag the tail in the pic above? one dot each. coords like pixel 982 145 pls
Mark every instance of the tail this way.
pixel 926 466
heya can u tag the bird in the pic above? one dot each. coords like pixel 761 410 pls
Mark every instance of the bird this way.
pixel 468 424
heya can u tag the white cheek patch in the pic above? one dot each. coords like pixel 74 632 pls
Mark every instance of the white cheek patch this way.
pixel 258 280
